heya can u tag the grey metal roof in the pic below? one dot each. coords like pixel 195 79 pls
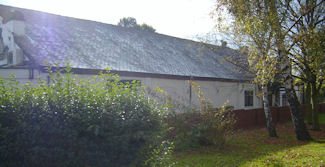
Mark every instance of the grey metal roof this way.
pixel 93 45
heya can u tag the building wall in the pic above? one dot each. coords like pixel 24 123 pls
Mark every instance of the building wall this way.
pixel 23 75
pixel 218 92
pixel 179 90
pixel 233 92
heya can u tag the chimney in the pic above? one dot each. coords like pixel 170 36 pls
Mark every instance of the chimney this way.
pixel 223 43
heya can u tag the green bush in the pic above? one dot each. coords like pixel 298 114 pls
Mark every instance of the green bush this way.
pixel 201 125
pixel 72 122
pixel 194 128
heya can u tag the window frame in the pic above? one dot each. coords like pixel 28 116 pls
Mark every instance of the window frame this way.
pixel 249 98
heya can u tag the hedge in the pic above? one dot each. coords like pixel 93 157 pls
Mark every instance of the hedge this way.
pixel 75 122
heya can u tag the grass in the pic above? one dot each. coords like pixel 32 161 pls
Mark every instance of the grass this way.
pixel 255 148
pixel 322 118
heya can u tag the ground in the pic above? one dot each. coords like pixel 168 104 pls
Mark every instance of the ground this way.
pixel 254 148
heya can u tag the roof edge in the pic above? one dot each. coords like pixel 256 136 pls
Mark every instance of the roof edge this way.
pixel 84 71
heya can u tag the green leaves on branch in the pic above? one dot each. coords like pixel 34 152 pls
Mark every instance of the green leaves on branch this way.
pixel 79 122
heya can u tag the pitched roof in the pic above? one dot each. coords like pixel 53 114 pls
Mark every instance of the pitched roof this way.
pixel 93 45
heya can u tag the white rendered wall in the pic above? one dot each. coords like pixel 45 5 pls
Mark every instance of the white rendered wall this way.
pixel 218 92
pixel 179 90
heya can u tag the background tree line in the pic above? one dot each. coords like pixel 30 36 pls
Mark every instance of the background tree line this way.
pixel 130 22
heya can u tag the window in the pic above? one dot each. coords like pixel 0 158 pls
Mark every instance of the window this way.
pixel 249 98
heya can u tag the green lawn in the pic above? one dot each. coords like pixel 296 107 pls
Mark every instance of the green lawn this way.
pixel 322 118
pixel 255 148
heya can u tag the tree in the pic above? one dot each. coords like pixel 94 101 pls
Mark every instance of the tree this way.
pixel 307 38
pixel 262 24
pixel 147 27
pixel 279 20
pixel 252 26
pixel 322 94
pixel 130 22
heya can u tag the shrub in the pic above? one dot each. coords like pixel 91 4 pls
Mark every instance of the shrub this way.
pixel 200 125
pixel 195 128
pixel 72 122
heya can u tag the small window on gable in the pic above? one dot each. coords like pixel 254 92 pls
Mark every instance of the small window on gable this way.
pixel 249 98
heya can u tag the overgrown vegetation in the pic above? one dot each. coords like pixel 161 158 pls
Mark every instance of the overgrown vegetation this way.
pixel 256 148
pixel 72 122
pixel 196 126
pixel 193 129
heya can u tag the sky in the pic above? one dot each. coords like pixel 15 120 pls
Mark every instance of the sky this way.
pixel 180 18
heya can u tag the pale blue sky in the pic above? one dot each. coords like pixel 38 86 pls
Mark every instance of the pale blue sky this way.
pixel 179 18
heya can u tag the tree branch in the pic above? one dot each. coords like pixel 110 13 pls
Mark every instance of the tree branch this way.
pixel 303 79
pixel 320 84
pixel 303 15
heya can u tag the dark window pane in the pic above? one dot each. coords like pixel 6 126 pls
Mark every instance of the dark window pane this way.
pixel 249 98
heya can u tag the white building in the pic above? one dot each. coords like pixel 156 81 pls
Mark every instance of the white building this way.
pixel 29 38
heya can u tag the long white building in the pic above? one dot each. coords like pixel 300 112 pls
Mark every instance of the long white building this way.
pixel 30 38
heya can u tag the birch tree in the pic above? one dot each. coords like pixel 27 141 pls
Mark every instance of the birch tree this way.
pixel 306 34
pixel 267 21
pixel 251 25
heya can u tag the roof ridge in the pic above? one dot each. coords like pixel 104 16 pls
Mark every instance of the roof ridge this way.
pixel 96 45
pixel 116 26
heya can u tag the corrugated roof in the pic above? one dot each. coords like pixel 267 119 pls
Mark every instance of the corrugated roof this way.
pixel 93 45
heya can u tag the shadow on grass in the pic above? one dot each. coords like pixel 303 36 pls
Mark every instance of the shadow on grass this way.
pixel 254 147
pixel 319 141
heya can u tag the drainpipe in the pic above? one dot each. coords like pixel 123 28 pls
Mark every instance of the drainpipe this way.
pixel 31 73
pixel 190 86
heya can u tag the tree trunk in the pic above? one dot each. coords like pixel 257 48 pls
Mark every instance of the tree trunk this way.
pixel 269 122
pixel 308 104
pixel 286 70
pixel 296 114
pixel 315 103
pixel 295 107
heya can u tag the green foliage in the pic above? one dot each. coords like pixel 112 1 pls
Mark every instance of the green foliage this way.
pixel 130 22
pixel 252 27
pixel 147 27
pixel 195 128
pixel 322 118
pixel 161 155
pixel 72 122
pixel 200 126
